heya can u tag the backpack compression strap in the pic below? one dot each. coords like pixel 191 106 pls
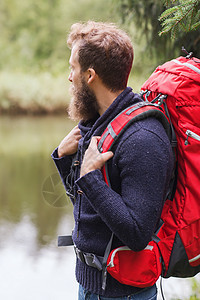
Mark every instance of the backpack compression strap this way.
pixel 124 119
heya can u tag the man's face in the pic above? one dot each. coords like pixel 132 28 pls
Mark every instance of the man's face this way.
pixel 74 76
pixel 83 105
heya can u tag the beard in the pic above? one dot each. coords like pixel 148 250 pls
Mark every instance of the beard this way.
pixel 83 105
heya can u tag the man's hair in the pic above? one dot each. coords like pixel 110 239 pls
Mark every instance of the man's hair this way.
pixel 105 48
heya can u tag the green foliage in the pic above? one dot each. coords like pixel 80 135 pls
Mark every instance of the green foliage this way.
pixel 195 290
pixel 144 15
pixel 33 33
pixel 182 16
pixel 33 51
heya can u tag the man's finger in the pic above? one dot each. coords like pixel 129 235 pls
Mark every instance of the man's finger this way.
pixel 94 141
pixel 106 156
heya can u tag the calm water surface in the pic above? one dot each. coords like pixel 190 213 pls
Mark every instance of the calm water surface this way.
pixel 31 265
pixel 34 210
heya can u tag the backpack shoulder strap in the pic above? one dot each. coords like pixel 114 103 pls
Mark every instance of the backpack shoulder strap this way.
pixel 123 120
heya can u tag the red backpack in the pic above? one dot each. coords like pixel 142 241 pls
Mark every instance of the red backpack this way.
pixel 172 94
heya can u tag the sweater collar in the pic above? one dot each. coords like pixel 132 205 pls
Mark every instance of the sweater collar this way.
pixel 98 124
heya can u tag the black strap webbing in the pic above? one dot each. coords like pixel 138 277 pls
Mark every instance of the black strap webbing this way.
pixel 65 240
pixel 104 263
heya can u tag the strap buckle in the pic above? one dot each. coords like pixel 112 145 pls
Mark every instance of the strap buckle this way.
pixel 89 259
pixel 79 254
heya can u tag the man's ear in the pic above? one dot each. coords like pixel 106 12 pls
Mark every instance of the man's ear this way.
pixel 91 75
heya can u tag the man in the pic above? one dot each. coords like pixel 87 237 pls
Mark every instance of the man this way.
pixel 139 165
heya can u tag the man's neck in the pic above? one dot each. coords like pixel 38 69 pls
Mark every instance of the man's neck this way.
pixel 105 98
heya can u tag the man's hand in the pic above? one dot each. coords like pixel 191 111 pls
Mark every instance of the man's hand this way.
pixel 93 159
pixel 69 144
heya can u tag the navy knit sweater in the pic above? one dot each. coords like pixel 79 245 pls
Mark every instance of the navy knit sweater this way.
pixel 139 172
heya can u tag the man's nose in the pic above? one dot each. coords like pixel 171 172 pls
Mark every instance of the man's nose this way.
pixel 70 77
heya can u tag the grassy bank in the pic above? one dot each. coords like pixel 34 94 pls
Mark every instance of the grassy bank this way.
pixel 44 93
pixel 22 93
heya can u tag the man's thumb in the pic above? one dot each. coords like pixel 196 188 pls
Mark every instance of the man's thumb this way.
pixel 106 156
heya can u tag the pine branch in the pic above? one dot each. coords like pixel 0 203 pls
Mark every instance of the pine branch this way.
pixel 167 3
pixel 194 26
pixel 182 17
pixel 167 13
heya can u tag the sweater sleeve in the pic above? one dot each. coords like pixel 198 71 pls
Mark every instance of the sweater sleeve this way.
pixel 143 159
pixel 63 165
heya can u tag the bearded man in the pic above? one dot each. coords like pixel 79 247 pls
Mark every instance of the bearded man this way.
pixel 139 165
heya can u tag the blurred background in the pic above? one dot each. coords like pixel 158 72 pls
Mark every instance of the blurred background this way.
pixel 33 119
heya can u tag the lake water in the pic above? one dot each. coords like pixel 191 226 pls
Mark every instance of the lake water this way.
pixel 34 210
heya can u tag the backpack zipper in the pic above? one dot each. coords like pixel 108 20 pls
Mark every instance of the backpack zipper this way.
pixel 124 248
pixel 111 263
pixel 193 135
